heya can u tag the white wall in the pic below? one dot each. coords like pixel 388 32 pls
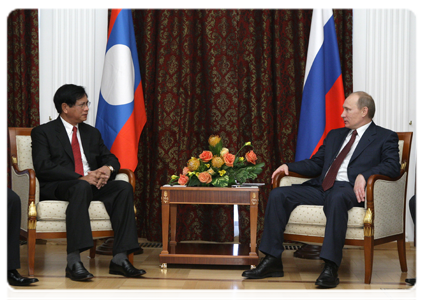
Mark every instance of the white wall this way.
pixel 384 57
pixel 72 48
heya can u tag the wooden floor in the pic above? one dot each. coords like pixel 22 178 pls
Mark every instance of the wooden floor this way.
pixel 300 274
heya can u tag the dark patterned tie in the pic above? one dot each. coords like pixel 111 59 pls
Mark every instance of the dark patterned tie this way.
pixel 77 153
pixel 333 171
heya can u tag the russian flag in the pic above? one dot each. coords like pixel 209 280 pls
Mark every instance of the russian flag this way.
pixel 121 112
pixel 323 93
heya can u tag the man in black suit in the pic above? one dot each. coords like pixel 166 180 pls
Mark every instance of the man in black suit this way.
pixel 73 164
pixel 369 149
pixel 13 250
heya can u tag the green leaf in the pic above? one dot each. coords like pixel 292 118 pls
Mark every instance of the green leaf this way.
pixel 241 175
pixel 202 167
pixel 221 181
pixel 173 181
pixel 231 181
pixel 194 181
pixel 217 148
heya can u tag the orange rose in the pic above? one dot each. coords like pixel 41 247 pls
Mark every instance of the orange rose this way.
pixel 251 157
pixel 206 156
pixel 183 180
pixel 205 177
pixel 185 171
pixel 229 159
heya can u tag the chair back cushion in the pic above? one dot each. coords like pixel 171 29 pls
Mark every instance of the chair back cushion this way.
pixel 389 207
pixel 24 157
pixel 24 152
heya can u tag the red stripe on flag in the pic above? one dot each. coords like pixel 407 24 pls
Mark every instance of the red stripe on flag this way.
pixel 334 100
pixel 113 16
pixel 124 146
pixel 139 109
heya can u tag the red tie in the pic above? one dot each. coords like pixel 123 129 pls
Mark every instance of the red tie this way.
pixel 333 171
pixel 77 153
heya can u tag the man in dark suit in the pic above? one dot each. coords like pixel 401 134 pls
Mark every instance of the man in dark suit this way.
pixel 73 164
pixel 369 149
pixel 13 250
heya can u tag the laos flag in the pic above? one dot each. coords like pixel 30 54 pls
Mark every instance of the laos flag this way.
pixel 323 93
pixel 121 112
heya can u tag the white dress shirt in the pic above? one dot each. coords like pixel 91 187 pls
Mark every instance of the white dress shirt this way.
pixel 69 131
pixel 342 172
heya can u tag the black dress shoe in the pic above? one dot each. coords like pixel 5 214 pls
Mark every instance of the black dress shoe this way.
pixel 329 276
pixel 269 267
pixel 413 281
pixel 78 272
pixel 15 279
pixel 126 269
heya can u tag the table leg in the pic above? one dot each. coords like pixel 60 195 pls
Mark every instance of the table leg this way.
pixel 165 222
pixel 173 213
pixel 253 222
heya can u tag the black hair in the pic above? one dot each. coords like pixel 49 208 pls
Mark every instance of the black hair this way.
pixel 69 94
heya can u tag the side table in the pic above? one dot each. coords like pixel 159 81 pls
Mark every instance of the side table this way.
pixel 214 254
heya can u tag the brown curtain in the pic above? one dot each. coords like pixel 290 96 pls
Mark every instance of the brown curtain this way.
pixel 235 73
pixel 22 71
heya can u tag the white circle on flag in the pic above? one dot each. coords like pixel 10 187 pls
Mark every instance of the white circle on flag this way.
pixel 117 84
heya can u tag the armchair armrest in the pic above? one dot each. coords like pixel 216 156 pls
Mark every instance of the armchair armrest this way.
pixel 130 177
pixel 294 177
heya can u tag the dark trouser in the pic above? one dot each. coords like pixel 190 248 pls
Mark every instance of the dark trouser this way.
pixel 414 205
pixel 117 197
pixel 336 203
pixel 13 229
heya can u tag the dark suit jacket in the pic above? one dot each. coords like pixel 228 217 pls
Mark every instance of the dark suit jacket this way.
pixel 53 157
pixel 376 153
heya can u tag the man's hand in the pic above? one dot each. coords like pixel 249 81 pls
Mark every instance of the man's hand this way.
pixel 284 168
pixel 98 177
pixel 104 176
pixel 359 185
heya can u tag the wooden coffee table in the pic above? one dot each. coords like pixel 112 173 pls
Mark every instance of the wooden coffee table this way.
pixel 206 253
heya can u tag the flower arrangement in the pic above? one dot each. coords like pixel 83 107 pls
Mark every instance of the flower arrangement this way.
pixel 218 167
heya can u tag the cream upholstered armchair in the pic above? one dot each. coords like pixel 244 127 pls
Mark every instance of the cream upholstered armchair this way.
pixel 46 219
pixel 381 221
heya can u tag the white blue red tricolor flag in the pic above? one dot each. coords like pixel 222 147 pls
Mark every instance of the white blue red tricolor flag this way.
pixel 323 94
pixel 121 112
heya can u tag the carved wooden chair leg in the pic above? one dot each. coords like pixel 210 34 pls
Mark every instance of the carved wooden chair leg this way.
pixel 31 251
pixel 368 259
pixel 369 245
pixel 401 253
